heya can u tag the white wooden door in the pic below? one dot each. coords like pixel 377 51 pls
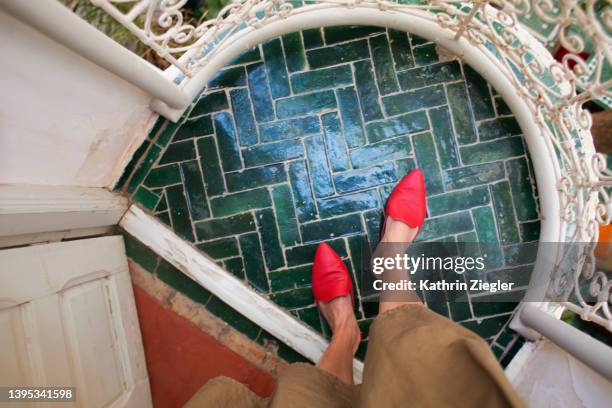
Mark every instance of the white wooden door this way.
pixel 68 318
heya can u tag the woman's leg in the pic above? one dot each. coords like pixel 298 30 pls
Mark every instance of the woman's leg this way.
pixel 396 239
pixel 338 358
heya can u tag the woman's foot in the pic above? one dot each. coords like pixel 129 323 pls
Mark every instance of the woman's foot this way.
pixel 341 319
pixel 406 209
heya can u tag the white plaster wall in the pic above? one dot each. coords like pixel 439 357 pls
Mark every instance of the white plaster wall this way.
pixel 63 120
pixel 551 378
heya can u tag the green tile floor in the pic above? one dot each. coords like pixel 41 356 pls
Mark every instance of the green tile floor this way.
pixel 301 140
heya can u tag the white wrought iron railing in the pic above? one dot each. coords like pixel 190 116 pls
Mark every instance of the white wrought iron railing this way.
pixel 496 37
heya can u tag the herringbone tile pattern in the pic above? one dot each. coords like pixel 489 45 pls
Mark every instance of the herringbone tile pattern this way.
pixel 301 140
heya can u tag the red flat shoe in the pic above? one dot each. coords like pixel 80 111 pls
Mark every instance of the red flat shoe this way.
pixel 407 201
pixel 330 278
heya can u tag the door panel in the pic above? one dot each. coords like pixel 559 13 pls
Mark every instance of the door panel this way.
pixel 68 318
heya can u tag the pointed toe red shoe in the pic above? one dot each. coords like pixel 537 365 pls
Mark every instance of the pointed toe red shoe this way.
pixel 407 201
pixel 330 278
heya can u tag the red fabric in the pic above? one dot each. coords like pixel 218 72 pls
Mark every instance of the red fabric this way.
pixel 181 358
pixel 407 201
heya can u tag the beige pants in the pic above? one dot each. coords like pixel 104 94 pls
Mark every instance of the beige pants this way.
pixel 415 358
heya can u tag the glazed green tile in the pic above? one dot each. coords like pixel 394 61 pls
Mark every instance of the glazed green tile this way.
pixel 444 137
pixel 255 177
pixel 248 56
pixel 459 310
pixel 505 337
pixel 446 225
pixel 162 205
pixel 201 126
pixel 233 318
pixel 291 278
pixel 520 254
pixel 289 128
pixel 370 308
pixel 498 128
pixel 400 48
pixel 260 92
pixel 305 104
pixel 482 105
pixel 425 54
pixel 211 166
pixel 520 275
pixel 223 227
pixel 360 258
pixel 335 142
pixel 510 353
pixel 324 78
pixel 253 262
pixel 227 141
pixel 312 38
pixel 501 106
pixel 181 221
pixel 469 176
pixel 361 179
pixel 294 51
pixel 129 168
pixel 272 153
pixel 391 149
pixel 159 123
pixel 416 40
pixel 243 115
pixel 228 78
pixel 337 54
pixel 212 102
pixel 220 248
pixel 360 354
pixel 461 110
pixel 146 198
pixel 194 190
pixel 367 92
pixel 491 151
pixel 487 327
pixel 235 267
pixel 143 168
pixel 504 212
pixel 405 166
pixel 530 231
pixel 302 193
pixel 521 187
pixel 330 228
pixel 429 75
pixel 364 327
pixel 318 166
pixel 348 203
pixel 166 134
pixel 487 234
pixel 399 125
pixel 266 224
pixel 458 201
pixel 304 254
pixel 311 317
pixel 427 160
pixel 372 221
pixel 276 68
pixel 293 299
pixel 240 202
pixel 139 253
pixel 383 64
pixel 285 215
pixel 351 117
pixel 338 34
pixel 179 151
pixel 176 279
pixel 414 100
pixel 164 217
pixel 497 303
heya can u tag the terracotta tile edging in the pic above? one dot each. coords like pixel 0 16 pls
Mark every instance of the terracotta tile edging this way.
pixel 263 357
